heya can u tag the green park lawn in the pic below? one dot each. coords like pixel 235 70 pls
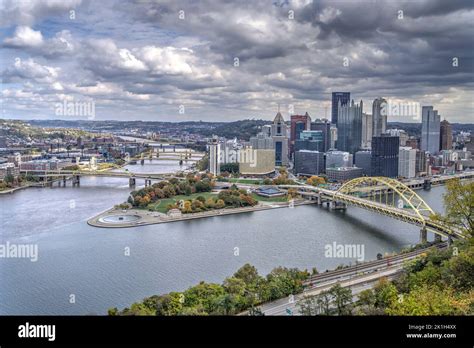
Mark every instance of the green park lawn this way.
pixel 245 181
pixel 160 206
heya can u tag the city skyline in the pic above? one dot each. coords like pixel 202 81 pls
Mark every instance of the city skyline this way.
pixel 182 61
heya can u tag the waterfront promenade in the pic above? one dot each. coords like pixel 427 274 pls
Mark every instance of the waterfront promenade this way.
pixel 142 217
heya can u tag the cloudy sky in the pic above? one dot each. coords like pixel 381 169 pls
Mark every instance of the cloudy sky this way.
pixel 228 60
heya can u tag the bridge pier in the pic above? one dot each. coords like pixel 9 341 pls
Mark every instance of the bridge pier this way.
pixel 76 180
pixel 335 205
pixel 423 235
pixel 131 182
pixel 147 182
pixel 450 240
pixel 142 161
pixel 64 180
pixel 437 238
pixel 427 184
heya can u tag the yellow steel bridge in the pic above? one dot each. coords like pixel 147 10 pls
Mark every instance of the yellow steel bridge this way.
pixel 385 196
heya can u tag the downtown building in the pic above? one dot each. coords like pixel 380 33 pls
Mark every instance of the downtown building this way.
pixel 324 126
pixel 446 135
pixel 379 117
pixel 310 140
pixel 298 124
pixel 256 162
pixel 399 133
pixel 349 127
pixel 384 156
pixel 336 159
pixel 430 130
pixel 407 162
pixel 422 163
pixel 366 131
pixel 279 134
pixel 363 160
pixel 309 162
pixel 338 99
pixel 214 156
pixel 341 174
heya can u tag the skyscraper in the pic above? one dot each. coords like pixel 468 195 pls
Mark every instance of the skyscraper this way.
pixel 421 162
pixel 384 159
pixel 338 97
pixel 214 156
pixel 280 140
pixel 446 135
pixel 310 140
pixel 349 127
pixel 324 126
pixel 299 123
pixel 379 117
pixel 362 159
pixel 333 136
pixel 407 162
pixel 309 162
pixel 366 131
pixel 430 129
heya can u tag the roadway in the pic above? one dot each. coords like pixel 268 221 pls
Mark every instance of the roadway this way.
pixel 357 277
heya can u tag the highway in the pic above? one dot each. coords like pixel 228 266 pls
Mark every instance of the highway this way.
pixel 357 277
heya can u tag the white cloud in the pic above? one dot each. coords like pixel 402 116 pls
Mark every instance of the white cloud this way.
pixel 24 37
pixel 166 60
pixel 31 71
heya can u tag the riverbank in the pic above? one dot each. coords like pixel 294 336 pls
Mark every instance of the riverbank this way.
pixel 118 218
pixel 14 189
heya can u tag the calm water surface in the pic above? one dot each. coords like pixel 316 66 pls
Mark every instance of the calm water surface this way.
pixel 90 263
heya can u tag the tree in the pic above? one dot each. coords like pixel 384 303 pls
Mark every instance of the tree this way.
pixel 9 179
pixel 308 305
pixel 315 180
pixel 210 203
pixel 230 168
pixel 292 193
pixel 187 208
pixel 248 274
pixel 220 204
pixel 342 299
pixel 459 204
pixel 323 301
pixel 366 298
pixel 385 293
pixel 256 312
pixel 204 294
pixel 203 163
pixel 197 205
pixel 431 300
pixel 201 199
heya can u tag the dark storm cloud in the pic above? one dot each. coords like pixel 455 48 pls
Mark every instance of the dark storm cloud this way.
pixel 155 55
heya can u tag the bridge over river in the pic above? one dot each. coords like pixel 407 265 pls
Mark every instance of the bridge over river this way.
pixel 385 196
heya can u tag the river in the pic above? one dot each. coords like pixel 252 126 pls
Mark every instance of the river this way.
pixel 91 266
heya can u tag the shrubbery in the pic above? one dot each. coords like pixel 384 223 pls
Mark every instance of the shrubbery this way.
pixel 233 198
pixel 168 189
pixel 245 289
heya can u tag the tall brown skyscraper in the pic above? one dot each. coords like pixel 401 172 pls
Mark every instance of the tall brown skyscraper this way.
pixel 298 123
pixel 446 135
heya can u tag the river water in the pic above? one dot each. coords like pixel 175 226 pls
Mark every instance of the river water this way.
pixel 86 270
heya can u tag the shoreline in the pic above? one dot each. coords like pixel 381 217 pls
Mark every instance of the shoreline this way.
pixel 152 218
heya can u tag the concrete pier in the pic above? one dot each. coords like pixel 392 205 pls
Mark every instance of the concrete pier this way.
pixel 423 235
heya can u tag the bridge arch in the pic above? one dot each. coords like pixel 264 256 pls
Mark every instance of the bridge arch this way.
pixel 410 197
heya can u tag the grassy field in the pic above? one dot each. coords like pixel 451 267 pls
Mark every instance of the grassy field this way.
pixel 245 181
pixel 269 199
pixel 161 205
